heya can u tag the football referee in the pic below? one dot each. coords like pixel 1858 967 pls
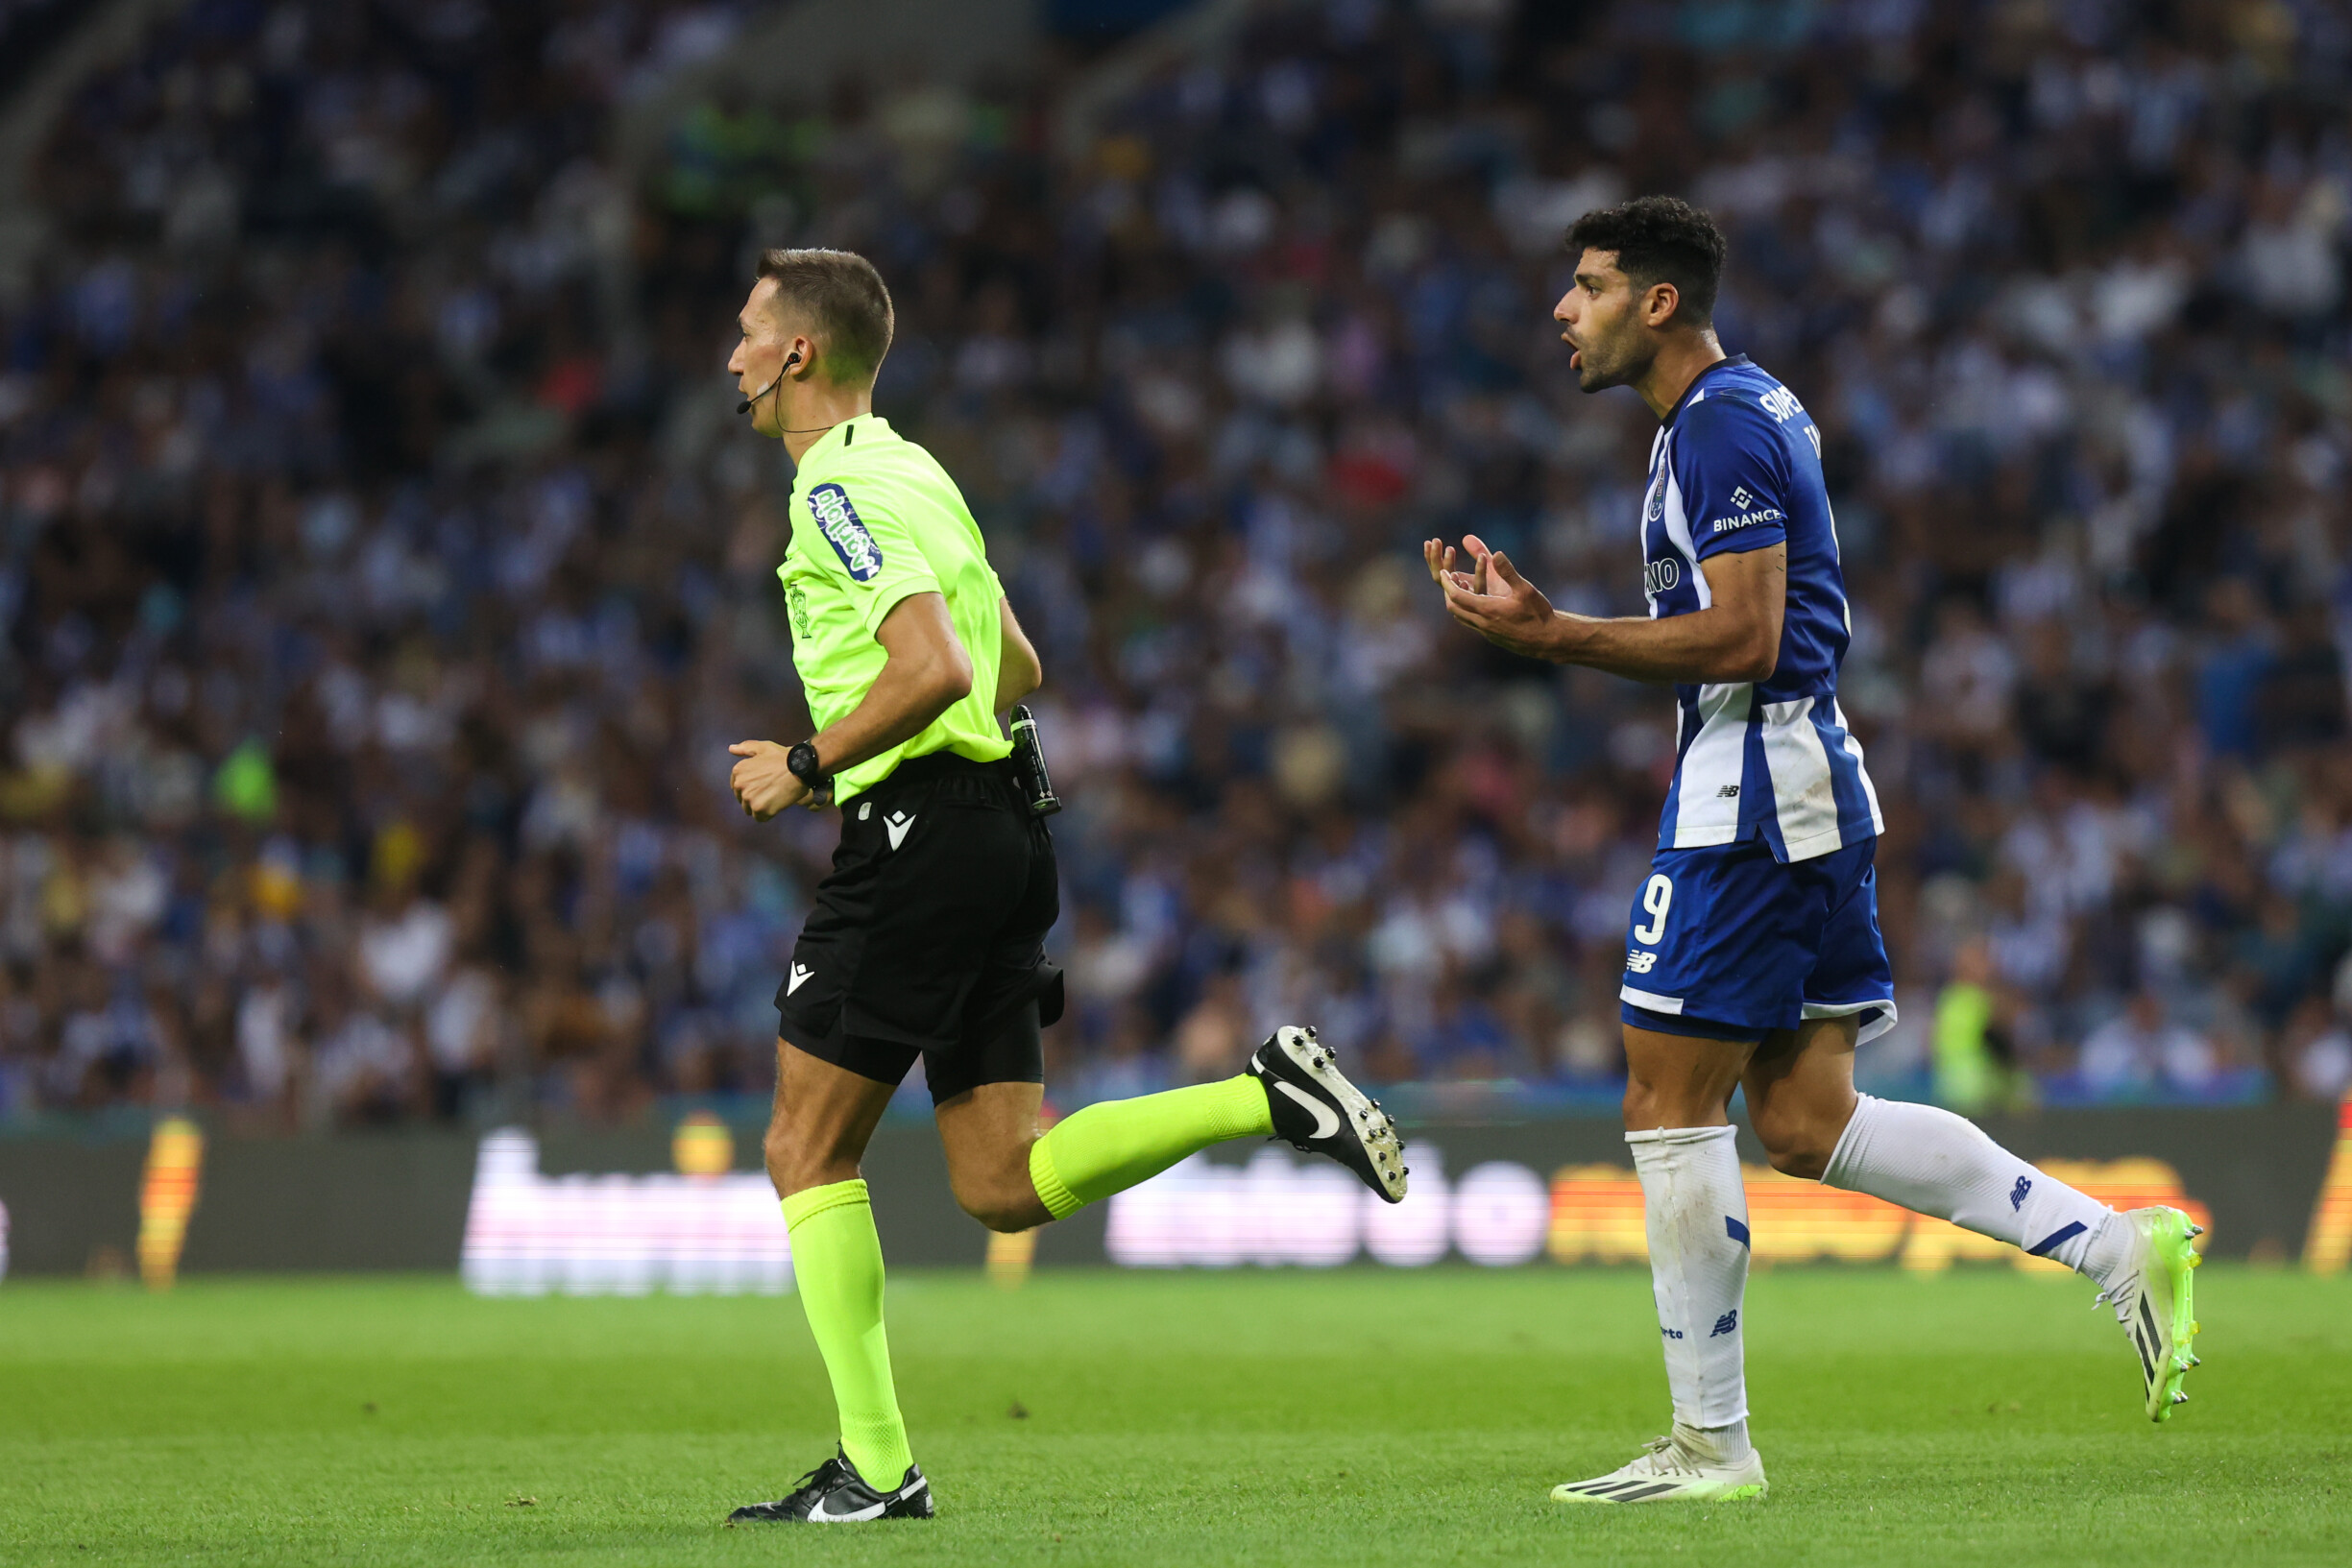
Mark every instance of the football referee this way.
pixel 928 939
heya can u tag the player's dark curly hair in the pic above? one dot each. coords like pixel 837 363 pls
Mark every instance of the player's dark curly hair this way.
pixel 1660 239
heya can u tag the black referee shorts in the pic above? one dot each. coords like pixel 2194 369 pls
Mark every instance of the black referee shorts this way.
pixel 929 936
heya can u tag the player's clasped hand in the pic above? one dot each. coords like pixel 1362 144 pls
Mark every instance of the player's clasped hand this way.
pixel 1491 598
pixel 763 784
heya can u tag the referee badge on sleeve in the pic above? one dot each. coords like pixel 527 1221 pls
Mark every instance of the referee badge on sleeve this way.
pixel 845 531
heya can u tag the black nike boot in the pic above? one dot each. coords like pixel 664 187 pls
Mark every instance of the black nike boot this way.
pixel 833 1493
pixel 1317 1111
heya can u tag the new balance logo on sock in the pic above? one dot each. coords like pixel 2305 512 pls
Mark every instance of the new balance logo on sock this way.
pixel 2016 1193
pixel 1727 1323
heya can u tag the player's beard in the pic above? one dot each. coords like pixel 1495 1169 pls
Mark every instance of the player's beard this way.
pixel 1598 371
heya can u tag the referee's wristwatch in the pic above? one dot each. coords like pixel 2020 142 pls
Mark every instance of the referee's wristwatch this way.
pixel 802 761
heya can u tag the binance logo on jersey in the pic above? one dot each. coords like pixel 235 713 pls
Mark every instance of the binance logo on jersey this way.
pixel 1743 519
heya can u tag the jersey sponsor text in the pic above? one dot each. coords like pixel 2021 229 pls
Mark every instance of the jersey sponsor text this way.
pixel 845 531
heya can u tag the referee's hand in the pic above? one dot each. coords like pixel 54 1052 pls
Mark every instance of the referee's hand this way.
pixel 761 783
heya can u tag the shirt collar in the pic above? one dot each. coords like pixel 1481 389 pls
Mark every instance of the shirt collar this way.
pixel 1684 400
pixel 851 433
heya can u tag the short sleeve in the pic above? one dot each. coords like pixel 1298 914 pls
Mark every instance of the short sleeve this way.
pixel 1731 465
pixel 875 550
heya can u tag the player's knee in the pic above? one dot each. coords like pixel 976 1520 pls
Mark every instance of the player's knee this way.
pixel 1671 1103
pixel 1806 1164
pixel 1794 1146
pixel 1640 1105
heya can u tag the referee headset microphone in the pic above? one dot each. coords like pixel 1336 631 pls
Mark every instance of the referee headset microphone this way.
pixel 789 360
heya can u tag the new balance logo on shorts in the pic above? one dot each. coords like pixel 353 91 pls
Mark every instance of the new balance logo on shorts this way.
pixel 2016 1193
pixel 1639 961
pixel 1727 1323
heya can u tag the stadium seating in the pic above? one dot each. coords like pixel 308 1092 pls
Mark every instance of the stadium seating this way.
pixel 384 575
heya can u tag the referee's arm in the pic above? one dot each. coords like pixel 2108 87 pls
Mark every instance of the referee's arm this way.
pixel 926 673
pixel 1018 673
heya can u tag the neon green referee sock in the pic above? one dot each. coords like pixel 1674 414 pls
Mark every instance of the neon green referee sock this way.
pixel 1109 1147
pixel 837 1267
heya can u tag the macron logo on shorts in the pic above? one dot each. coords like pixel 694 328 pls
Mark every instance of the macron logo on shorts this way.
pixel 898 824
pixel 800 977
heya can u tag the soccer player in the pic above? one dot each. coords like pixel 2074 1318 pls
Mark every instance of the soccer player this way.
pixel 1754 960
pixel 928 937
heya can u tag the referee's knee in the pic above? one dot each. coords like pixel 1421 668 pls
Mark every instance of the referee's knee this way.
pixel 1004 1219
pixel 794 1166
pixel 1004 1206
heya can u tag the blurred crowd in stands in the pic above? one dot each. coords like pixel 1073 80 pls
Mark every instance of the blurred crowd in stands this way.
pixel 384 571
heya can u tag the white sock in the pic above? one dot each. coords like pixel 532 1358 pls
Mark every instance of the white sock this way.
pixel 1935 1163
pixel 1697 1215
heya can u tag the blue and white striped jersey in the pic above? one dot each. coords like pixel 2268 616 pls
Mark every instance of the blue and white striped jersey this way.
pixel 1738 467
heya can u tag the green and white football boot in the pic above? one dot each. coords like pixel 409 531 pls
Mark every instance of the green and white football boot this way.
pixel 1667 1472
pixel 2155 1300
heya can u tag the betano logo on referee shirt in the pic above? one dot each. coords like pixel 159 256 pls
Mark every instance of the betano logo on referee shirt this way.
pixel 845 531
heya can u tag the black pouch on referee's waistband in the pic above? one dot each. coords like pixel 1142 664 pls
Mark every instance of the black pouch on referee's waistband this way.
pixel 1028 764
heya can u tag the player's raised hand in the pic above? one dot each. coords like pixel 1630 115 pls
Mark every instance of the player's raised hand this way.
pixel 762 785
pixel 1495 601
pixel 1439 556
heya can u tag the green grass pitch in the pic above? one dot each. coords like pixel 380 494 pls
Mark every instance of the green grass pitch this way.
pixel 1098 1417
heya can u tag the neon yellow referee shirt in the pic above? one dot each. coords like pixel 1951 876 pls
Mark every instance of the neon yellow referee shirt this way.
pixel 875 519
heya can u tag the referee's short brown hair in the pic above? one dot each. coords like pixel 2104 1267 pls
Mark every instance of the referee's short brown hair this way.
pixel 843 299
